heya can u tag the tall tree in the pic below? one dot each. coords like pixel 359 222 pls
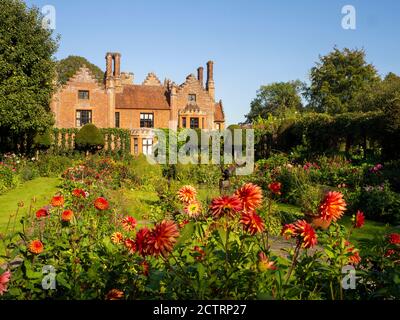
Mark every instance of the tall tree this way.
pixel 27 72
pixel 276 99
pixel 67 67
pixel 337 79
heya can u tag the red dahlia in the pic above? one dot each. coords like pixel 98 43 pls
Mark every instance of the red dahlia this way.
pixel 114 294
pixel 162 238
pixel 275 188
pixel 394 238
pixel 332 206
pixel 306 233
pixel 101 204
pixel 41 213
pixel 289 231
pixel 226 205
pixel 129 223
pixel 142 237
pixel 250 195
pixel 252 223
pixel 130 245
pixel 360 218
pixel 79 193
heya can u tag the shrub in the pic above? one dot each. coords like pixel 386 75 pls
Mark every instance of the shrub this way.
pixel 89 138
pixel 43 141
pixel 379 203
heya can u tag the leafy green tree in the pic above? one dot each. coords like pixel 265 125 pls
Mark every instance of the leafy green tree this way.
pixel 276 99
pixel 89 139
pixel 377 96
pixel 67 67
pixel 27 72
pixel 338 79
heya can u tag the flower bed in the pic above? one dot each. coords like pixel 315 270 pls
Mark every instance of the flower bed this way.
pixel 216 250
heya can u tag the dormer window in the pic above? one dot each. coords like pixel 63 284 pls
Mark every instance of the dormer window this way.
pixel 192 98
pixel 83 94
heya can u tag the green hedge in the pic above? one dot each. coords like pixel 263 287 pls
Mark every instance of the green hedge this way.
pixel 321 133
pixel 117 141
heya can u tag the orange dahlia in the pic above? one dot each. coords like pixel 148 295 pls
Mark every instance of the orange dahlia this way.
pixel 117 238
pixel 250 195
pixel 114 294
pixel 57 201
pixel 252 223
pixel 41 213
pixel 187 194
pixel 275 188
pixel 226 205
pixel 162 238
pixel 36 246
pixel 142 237
pixel 101 204
pixel 129 223
pixel 332 206
pixel 67 215
pixel 264 263
pixel 130 245
pixel 306 233
pixel 354 257
pixel 359 220
pixel 193 209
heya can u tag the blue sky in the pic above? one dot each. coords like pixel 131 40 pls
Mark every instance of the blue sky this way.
pixel 251 42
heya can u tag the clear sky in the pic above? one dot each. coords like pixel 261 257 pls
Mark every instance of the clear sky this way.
pixel 251 42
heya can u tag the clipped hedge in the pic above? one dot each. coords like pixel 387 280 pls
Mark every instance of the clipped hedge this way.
pixel 320 133
pixel 117 141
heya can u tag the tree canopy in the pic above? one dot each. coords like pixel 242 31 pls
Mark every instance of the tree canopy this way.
pixel 338 79
pixel 276 99
pixel 67 67
pixel 27 72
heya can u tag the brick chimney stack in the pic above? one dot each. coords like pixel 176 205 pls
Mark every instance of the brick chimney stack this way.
pixel 109 62
pixel 210 79
pixel 117 72
pixel 117 65
pixel 200 71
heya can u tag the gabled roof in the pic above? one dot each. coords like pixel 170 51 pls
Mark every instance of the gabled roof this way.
pixel 142 97
pixel 219 114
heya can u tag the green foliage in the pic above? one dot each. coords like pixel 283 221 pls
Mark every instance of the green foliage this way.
pixel 276 99
pixel 43 141
pixel 89 138
pixel 26 74
pixel 338 79
pixel 67 67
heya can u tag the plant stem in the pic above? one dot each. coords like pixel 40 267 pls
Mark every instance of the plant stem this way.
pixel 294 261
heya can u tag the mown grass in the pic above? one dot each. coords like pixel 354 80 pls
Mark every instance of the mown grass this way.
pixel 38 192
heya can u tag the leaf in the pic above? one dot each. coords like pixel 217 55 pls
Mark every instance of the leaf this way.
pixel 186 233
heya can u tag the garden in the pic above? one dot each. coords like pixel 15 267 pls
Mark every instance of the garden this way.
pixel 82 219
pixel 113 228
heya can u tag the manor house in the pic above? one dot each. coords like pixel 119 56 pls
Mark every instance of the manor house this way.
pixel 120 103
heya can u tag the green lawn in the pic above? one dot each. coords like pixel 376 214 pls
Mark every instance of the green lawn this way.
pixel 38 192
